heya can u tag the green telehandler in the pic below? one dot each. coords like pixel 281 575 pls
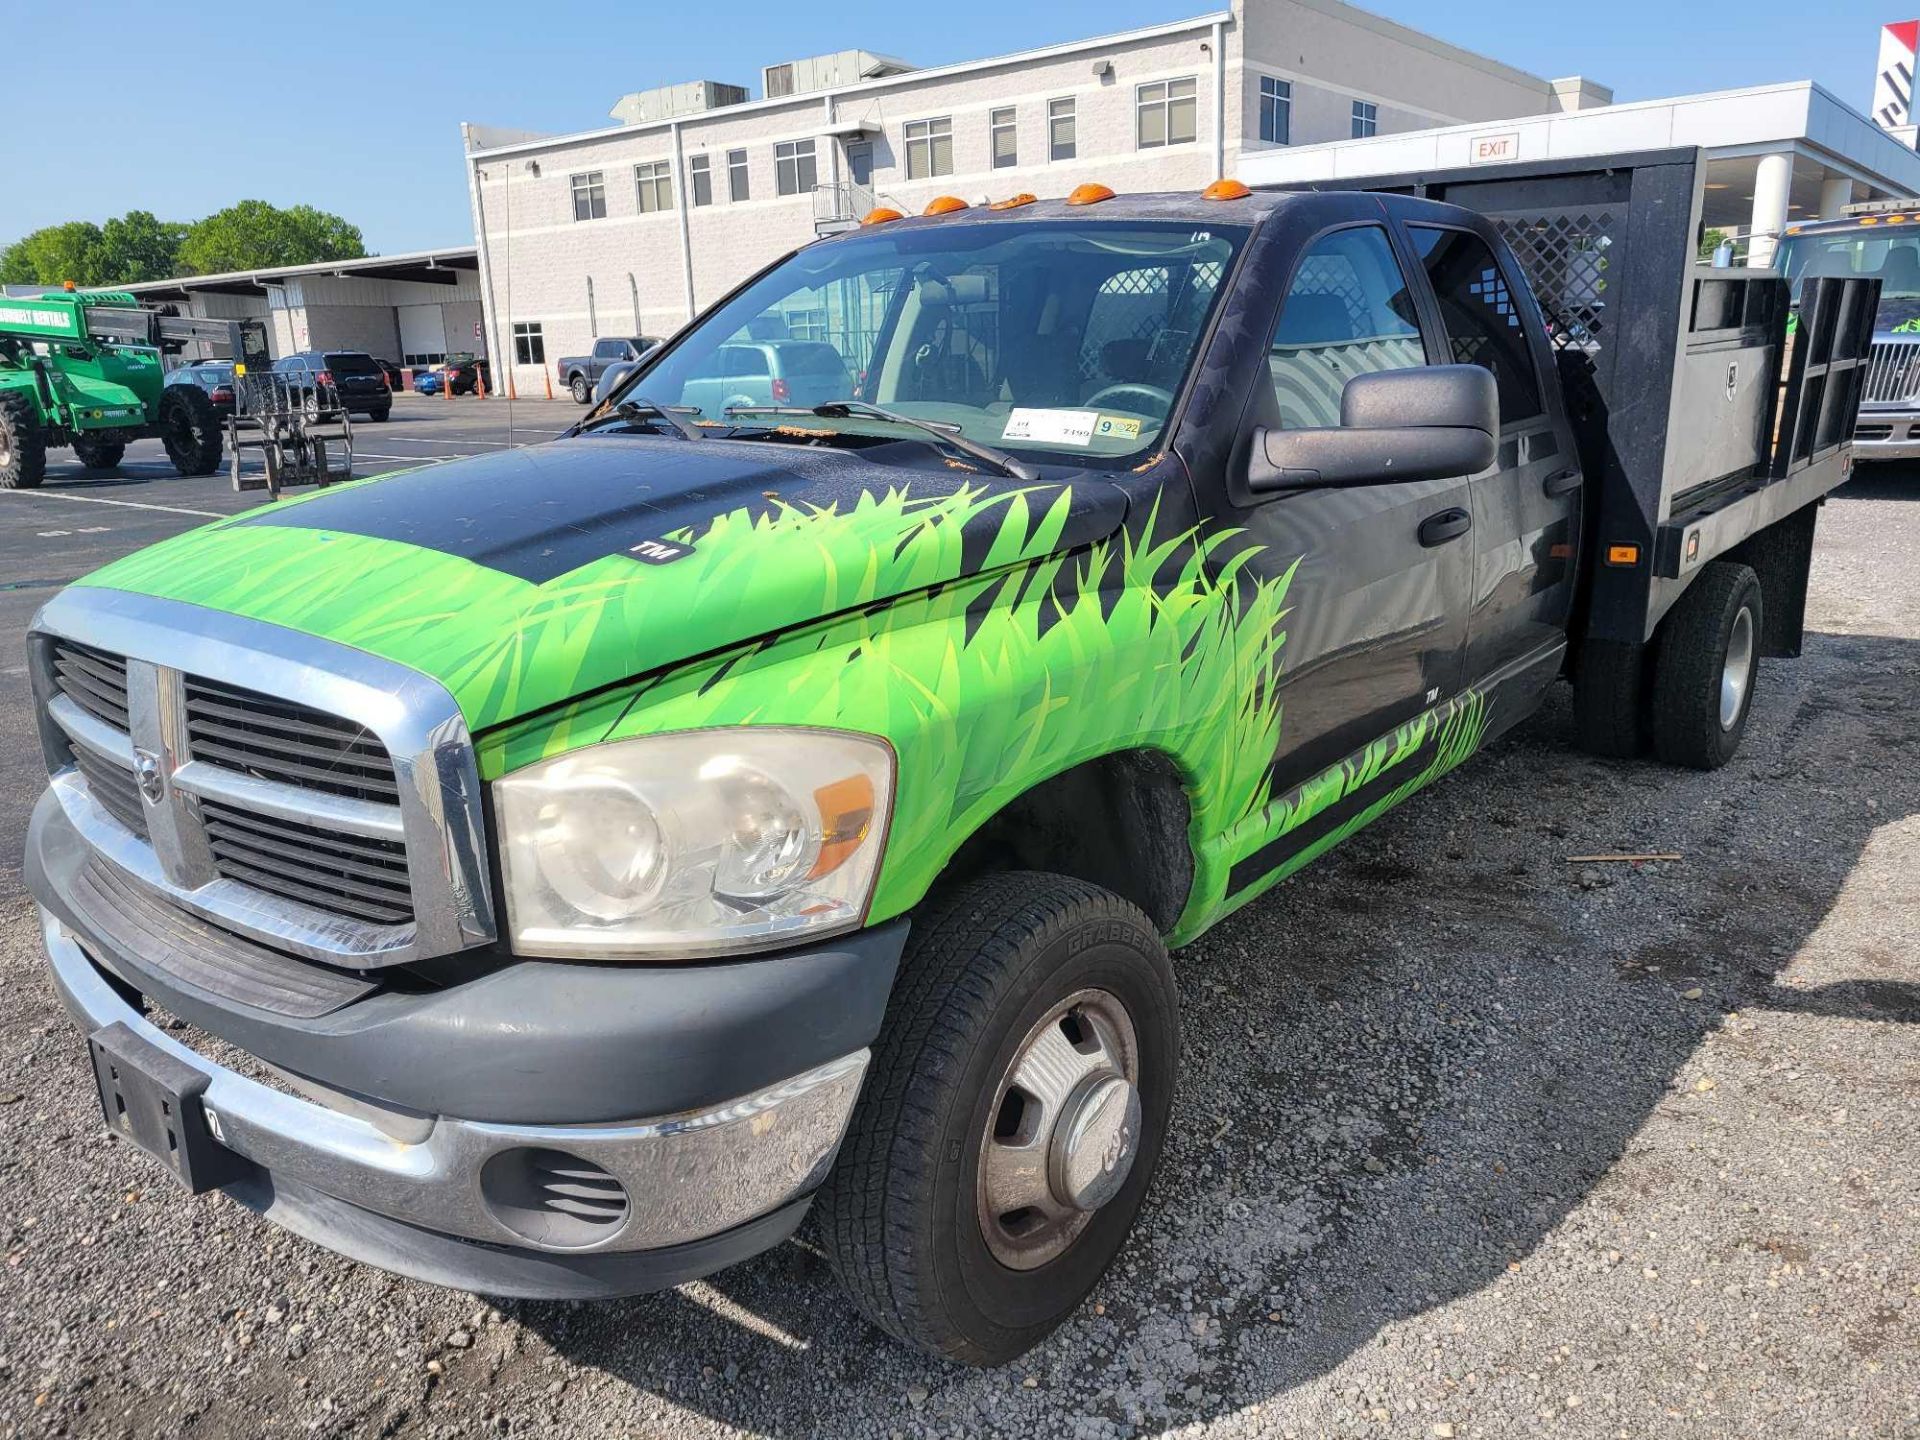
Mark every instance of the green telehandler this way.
pixel 84 369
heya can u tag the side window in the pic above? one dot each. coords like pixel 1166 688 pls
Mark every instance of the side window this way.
pixel 1483 324
pixel 1347 313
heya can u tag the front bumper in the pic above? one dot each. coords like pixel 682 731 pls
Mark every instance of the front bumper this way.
pixel 411 1190
pixel 1887 435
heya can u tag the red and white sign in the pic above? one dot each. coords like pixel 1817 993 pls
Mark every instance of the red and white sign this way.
pixel 1893 77
pixel 1491 149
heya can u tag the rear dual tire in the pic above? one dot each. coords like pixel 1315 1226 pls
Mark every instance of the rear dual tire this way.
pixel 1011 1118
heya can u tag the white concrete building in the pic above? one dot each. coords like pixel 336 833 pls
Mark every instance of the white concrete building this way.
pixel 413 309
pixel 1775 154
pixel 632 228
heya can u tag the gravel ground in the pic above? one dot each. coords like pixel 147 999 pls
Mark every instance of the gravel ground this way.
pixel 1470 1142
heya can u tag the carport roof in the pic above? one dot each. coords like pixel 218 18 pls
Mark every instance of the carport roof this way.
pixel 429 267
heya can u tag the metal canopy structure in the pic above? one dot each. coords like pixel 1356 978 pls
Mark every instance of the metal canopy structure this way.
pixel 426 267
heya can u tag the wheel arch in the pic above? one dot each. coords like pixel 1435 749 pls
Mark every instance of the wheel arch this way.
pixel 1120 820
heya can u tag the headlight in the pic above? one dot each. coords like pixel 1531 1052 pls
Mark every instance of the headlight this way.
pixel 702 843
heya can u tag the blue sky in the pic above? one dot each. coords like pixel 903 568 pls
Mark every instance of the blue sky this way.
pixel 357 109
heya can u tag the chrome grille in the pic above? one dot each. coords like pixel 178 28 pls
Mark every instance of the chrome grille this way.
pixel 112 785
pixel 348 874
pixel 96 682
pixel 300 793
pixel 1893 372
pixel 277 740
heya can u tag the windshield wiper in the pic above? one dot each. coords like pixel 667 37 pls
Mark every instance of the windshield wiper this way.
pixel 941 433
pixel 644 411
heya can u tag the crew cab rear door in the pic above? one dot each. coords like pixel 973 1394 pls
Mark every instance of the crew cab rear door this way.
pixel 1526 509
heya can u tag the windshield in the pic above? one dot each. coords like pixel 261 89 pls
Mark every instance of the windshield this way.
pixel 1893 255
pixel 1058 337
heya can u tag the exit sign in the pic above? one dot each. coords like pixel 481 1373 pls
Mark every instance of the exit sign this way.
pixel 1488 149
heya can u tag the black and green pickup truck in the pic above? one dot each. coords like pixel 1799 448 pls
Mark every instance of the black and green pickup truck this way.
pixel 556 872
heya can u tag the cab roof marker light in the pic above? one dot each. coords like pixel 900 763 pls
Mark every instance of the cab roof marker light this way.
pixel 881 216
pixel 1089 194
pixel 944 205
pixel 1013 202
pixel 1224 189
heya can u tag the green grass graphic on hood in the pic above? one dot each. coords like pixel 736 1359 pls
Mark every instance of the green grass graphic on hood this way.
pixel 506 647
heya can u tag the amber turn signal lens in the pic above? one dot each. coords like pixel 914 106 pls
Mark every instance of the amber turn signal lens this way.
pixel 1012 202
pixel 881 216
pixel 1225 190
pixel 1089 194
pixel 944 205
pixel 1623 555
pixel 846 815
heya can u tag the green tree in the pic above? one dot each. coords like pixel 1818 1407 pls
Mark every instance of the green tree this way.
pixel 55 254
pixel 139 246
pixel 254 234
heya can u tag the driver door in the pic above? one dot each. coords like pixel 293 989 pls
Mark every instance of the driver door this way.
pixel 1377 576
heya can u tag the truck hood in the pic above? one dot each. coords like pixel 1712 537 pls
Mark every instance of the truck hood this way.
pixel 529 577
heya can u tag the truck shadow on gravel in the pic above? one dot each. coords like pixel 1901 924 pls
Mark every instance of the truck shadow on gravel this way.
pixel 1403 1069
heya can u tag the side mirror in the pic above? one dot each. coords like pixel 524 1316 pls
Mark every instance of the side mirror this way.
pixel 1395 426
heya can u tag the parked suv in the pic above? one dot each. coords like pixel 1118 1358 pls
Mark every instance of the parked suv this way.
pixel 767 372
pixel 580 373
pixel 329 381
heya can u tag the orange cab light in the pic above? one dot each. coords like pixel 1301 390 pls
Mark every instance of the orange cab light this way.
pixel 1869 220
pixel 1012 202
pixel 1225 190
pixel 1089 194
pixel 881 216
pixel 68 286
pixel 1896 219
pixel 944 205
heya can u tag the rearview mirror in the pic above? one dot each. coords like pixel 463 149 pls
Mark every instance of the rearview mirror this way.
pixel 1395 426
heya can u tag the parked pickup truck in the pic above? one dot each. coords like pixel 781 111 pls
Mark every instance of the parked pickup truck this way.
pixel 573 864
pixel 580 373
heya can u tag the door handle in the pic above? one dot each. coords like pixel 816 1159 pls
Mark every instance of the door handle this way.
pixel 1562 481
pixel 1447 525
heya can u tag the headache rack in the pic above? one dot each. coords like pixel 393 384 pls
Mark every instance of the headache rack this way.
pixel 1703 408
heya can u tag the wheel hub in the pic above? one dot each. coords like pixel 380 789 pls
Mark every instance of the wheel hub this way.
pixel 1737 673
pixel 1063 1132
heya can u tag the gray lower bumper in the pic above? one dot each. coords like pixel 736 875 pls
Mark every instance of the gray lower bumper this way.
pixel 1887 435
pixel 687 1177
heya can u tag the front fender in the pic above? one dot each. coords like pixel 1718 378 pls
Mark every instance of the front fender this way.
pixel 994 684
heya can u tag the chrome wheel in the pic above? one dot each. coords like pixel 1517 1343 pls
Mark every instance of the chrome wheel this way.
pixel 1736 675
pixel 1064 1130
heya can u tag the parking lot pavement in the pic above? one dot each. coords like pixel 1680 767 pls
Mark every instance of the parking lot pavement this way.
pixel 1470 1141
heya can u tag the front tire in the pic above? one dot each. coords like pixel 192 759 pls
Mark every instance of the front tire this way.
pixel 582 392
pixel 1704 673
pixel 1011 1119
pixel 100 454
pixel 190 430
pixel 23 444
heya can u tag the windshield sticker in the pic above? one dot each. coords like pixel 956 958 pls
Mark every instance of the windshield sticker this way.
pixel 1117 427
pixel 1051 427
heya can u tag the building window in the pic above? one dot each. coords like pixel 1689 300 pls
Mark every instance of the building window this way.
pixel 1366 119
pixel 929 148
pixel 1005 142
pixel 590 196
pixel 1166 113
pixel 1276 111
pixel 529 345
pixel 654 182
pixel 700 179
pixel 736 174
pixel 794 171
pixel 1060 138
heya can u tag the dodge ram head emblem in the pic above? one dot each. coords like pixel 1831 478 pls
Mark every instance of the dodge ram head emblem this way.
pixel 146 770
